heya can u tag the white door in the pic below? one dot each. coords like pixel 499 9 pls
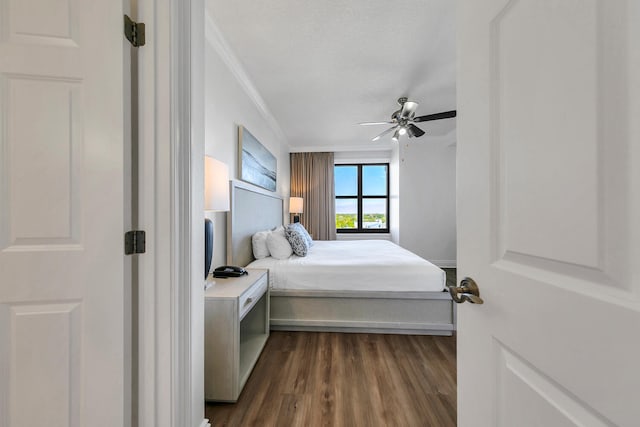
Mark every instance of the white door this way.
pixel 61 213
pixel 549 212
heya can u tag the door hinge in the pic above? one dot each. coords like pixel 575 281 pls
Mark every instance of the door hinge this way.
pixel 134 242
pixel 134 31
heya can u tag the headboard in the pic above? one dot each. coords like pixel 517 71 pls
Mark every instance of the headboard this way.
pixel 252 210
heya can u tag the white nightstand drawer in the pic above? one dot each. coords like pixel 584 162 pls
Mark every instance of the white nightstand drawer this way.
pixel 251 296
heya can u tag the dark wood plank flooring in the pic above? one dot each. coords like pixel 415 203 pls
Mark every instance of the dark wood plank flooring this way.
pixel 334 379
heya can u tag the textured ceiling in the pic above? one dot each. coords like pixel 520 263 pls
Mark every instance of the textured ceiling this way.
pixel 324 66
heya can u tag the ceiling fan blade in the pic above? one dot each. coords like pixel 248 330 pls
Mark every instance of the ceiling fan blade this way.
pixel 414 130
pixel 409 109
pixel 384 133
pixel 376 123
pixel 436 116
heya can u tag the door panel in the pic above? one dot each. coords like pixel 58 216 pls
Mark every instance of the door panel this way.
pixel 41 22
pixel 547 154
pixel 548 107
pixel 527 395
pixel 525 59
pixel 61 213
pixel 56 330
pixel 43 159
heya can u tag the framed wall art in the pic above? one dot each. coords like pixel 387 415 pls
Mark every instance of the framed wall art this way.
pixel 257 165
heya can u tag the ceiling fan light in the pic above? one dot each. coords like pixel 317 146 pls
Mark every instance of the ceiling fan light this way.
pixel 402 131
pixel 396 135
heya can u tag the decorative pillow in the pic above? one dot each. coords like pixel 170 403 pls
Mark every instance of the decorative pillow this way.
pixel 297 240
pixel 259 242
pixel 306 234
pixel 278 245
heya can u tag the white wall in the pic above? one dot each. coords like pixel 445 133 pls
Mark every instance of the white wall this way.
pixel 394 195
pixel 231 100
pixel 376 156
pixel 428 199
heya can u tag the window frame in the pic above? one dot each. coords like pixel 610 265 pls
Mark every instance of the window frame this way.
pixel 360 197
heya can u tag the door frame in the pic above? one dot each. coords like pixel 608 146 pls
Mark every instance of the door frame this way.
pixel 171 319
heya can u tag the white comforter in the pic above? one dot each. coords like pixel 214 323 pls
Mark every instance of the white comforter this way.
pixel 358 265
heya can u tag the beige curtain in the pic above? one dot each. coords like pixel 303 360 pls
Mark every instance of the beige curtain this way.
pixel 312 179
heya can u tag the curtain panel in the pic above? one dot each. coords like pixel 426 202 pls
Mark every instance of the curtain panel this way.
pixel 312 179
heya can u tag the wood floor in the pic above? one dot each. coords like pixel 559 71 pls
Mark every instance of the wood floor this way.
pixel 334 379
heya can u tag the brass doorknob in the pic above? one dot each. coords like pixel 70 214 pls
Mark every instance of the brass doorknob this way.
pixel 467 291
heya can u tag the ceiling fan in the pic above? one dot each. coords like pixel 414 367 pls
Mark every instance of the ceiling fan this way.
pixel 403 120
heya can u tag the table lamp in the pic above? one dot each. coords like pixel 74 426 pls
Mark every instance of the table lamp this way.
pixel 296 207
pixel 216 199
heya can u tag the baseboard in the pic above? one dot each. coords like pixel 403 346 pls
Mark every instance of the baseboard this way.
pixel 448 331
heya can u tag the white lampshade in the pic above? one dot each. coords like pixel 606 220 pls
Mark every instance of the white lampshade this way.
pixel 216 185
pixel 295 205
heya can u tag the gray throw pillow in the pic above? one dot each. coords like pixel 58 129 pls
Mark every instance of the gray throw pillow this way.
pixel 304 232
pixel 297 240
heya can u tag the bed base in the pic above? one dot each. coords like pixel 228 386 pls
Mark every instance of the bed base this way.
pixel 412 313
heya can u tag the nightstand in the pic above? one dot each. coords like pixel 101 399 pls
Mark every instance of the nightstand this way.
pixel 235 332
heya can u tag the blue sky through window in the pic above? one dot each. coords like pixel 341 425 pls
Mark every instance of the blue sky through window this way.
pixel 346 179
pixel 374 183
pixel 374 180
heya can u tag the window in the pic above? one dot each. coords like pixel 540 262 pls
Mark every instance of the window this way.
pixel 362 198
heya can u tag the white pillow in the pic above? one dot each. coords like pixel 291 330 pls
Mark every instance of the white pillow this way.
pixel 259 242
pixel 278 245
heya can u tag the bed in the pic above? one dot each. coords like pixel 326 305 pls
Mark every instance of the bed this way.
pixel 397 293
pixel 357 265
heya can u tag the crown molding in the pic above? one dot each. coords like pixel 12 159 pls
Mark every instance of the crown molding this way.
pixel 217 41
pixel 338 148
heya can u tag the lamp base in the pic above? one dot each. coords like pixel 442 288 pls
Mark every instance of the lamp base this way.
pixel 296 218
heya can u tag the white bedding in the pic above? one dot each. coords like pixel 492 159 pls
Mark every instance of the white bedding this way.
pixel 357 265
